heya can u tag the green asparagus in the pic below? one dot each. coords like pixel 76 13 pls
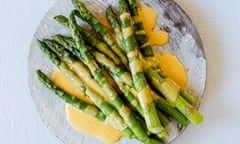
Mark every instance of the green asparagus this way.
pixel 70 99
pixel 171 111
pixel 187 96
pixel 140 83
pixel 164 119
pixel 140 33
pixel 113 21
pixel 126 90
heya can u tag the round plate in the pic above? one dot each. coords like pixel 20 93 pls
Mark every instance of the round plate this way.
pixel 184 42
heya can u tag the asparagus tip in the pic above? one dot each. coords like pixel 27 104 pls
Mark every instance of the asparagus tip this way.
pixel 61 18
pixel 40 42
pixel 38 71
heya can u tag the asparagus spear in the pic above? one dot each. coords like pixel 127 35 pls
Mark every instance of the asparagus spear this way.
pixel 106 108
pixel 88 37
pixel 112 19
pixel 70 99
pixel 87 16
pixel 144 91
pixel 124 111
pixel 128 94
pixel 123 75
pixel 140 33
pixel 142 39
pixel 187 96
pixel 164 120
pixel 165 107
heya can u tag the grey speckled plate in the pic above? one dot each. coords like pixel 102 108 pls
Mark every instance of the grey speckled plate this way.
pixel 184 42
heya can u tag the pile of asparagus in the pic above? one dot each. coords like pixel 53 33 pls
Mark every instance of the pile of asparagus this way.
pixel 118 74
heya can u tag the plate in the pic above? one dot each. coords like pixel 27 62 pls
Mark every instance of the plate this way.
pixel 184 42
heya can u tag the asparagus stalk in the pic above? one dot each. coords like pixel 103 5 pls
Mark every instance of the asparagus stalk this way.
pixel 140 33
pixel 123 75
pixel 128 95
pixel 70 99
pixel 187 96
pixel 144 91
pixel 164 120
pixel 163 106
pixel 142 39
pixel 106 108
pixel 112 19
pixel 124 111
pixel 87 16
pixel 88 37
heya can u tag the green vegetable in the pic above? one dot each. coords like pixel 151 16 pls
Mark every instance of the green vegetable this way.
pixel 187 96
pixel 171 111
pixel 164 119
pixel 140 83
pixel 70 99
pixel 113 21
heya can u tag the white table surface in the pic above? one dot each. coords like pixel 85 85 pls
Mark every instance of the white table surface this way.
pixel 218 22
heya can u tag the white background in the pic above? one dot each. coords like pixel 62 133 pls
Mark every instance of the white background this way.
pixel 218 22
